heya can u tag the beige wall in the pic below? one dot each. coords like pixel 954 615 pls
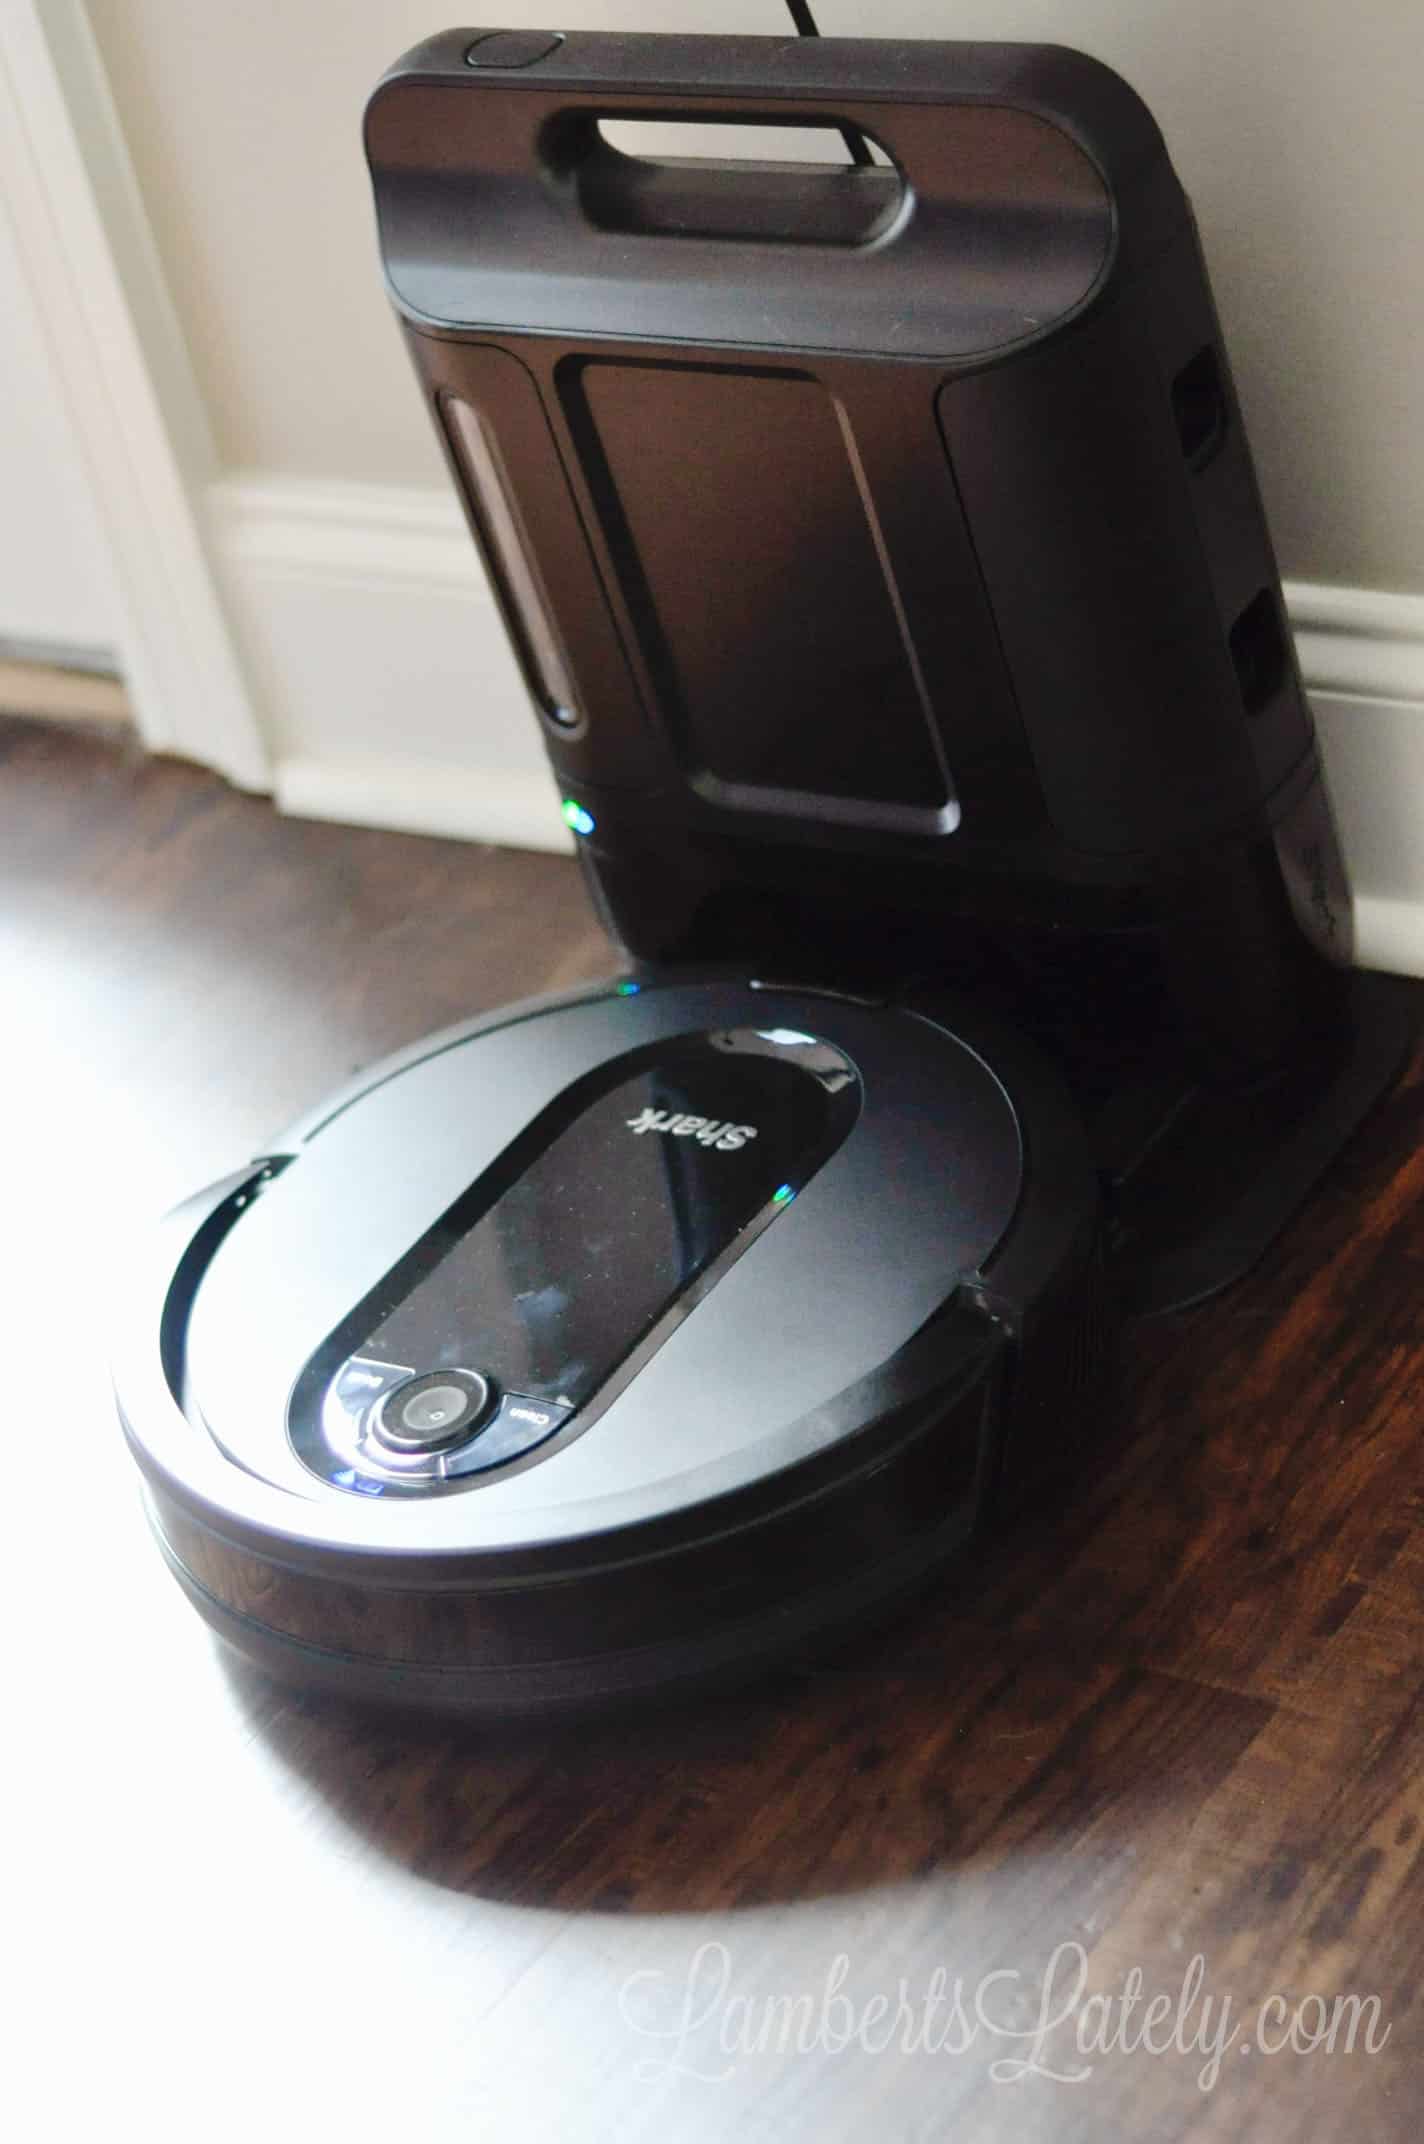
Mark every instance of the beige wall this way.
pixel 1296 125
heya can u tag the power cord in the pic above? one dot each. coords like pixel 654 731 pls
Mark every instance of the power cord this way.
pixel 805 22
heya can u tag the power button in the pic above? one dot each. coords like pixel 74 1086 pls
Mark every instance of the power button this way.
pixel 512 48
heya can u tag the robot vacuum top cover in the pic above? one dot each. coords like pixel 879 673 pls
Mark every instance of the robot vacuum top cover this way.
pixel 670 1269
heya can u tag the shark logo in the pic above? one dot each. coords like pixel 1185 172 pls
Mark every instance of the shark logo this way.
pixel 707 1131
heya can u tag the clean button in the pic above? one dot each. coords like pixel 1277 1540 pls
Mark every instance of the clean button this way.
pixel 520 1424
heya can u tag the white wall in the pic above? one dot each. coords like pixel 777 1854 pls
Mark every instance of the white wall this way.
pixel 56 589
pixel 388 692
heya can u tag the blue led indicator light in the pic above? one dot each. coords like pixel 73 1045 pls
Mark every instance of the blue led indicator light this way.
pixel 629 990
pixel 582 821
pixel 348 1478
pixel 783 1195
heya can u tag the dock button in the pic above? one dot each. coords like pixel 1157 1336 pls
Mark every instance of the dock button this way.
pixel 512 48
pixel 361 1381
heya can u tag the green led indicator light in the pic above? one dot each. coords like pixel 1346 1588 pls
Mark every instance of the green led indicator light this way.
pixel 582 821
pixel 629 990
pixel 783 1195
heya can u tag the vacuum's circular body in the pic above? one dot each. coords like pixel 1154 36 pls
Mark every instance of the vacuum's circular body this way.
pixel 614 1342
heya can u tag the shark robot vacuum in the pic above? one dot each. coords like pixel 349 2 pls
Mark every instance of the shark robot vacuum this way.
pixel 617 1341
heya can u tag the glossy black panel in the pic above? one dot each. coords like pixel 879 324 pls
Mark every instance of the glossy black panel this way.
pixel 546 1289
pixel 549 1270
pixel 760 596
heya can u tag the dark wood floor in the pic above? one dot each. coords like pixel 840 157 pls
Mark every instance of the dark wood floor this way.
pixel 1179 1716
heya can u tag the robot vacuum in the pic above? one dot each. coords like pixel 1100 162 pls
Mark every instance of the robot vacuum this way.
pixel 616 1341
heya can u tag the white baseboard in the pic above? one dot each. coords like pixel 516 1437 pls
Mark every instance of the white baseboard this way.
pixel 390 693
pixel 393 699
pixel 1364 642
pixel 418 797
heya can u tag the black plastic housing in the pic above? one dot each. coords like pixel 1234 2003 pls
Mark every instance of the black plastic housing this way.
pixel 915 1341
pixel 890 533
